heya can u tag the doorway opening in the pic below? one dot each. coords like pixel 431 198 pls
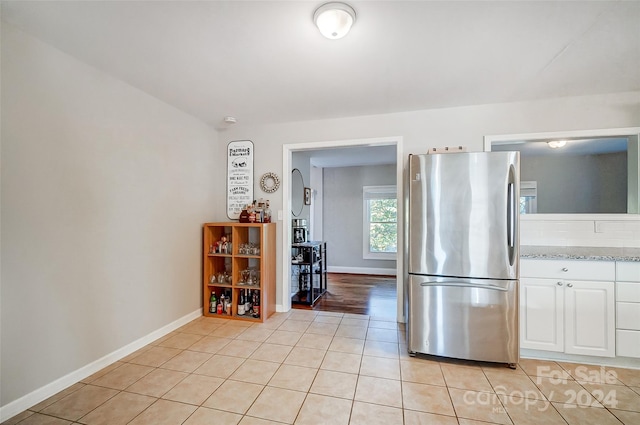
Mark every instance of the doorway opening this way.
pixel 309 149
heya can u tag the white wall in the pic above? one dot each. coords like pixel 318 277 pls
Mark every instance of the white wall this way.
pixel 104 191
pixel 578 183
pixel 442 127
pixel 316 217
pixel 343 215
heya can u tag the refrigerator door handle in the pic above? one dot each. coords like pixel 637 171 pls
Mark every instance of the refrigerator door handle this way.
pixel 465 285
pixel 510 215
pixel 512 218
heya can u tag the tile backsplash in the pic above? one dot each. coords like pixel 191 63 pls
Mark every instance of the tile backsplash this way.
pixel 588 231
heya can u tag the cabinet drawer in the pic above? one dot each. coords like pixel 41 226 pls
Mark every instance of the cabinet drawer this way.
pixel 628 343
pixel 628 271
pixel 628 292
pixel 628 316
pixel 568 269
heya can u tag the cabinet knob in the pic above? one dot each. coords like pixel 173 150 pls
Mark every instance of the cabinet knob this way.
pixel 564 269
pixel 559 283
pixel 570 285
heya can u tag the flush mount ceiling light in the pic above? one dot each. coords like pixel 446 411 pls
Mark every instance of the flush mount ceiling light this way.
pixel 555 144
pixel 334 19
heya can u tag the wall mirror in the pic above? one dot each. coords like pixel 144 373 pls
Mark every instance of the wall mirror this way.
pixel 591 172
pixel 297 192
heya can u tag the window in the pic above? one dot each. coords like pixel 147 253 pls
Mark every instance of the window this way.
pixel 380 222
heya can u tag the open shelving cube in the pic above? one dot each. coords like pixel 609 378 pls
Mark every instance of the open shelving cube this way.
pixel 249 246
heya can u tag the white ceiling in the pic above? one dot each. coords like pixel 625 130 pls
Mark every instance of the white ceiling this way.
pixel 265 62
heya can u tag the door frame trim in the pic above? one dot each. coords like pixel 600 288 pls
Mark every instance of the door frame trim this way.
pixel 287 151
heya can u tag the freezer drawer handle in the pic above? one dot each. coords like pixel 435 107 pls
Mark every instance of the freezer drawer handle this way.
pixel 465 285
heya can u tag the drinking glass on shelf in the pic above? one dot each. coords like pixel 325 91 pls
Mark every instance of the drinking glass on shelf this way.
pixel 245 276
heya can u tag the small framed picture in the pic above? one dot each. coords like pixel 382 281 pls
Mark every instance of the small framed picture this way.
pixel 307 196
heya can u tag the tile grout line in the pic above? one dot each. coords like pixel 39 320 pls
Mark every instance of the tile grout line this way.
pixel 326 350
pixel 504 409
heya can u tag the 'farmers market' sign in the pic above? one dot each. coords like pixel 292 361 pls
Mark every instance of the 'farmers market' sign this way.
pixel 239 177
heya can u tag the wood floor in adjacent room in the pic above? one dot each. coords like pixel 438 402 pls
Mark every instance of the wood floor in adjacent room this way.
pixel 372 295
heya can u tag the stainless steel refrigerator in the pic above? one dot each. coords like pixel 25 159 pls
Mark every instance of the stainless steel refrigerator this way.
pixel 463 256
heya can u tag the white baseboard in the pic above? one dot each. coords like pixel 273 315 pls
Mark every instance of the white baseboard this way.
pixel 626 362
pixel 361 270
pixel 43 393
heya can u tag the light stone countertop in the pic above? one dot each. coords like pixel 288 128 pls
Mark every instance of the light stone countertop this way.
pixel 580 253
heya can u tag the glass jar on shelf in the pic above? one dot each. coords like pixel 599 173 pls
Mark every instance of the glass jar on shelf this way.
pixel 244 276
pixel 221 277
pixel 250 277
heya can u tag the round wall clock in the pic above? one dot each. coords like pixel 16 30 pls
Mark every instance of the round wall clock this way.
pixel 269 182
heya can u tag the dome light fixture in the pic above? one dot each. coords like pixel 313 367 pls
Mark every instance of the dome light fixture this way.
pixel 334 19
pixel 555 144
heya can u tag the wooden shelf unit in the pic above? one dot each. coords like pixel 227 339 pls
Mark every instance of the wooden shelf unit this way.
pixel 262 235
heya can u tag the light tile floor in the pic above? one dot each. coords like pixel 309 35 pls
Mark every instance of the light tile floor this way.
pixel 309 367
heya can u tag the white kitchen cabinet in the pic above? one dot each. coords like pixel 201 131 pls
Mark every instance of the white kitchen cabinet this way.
pixel 590 318
pixel 628 309
pixel 541 314
pixel 628 316
pixel 563 308
pixel 628 271
pixel 568 269
pixel 627 343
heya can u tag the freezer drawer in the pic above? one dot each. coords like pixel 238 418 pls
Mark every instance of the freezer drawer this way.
pixel 474 319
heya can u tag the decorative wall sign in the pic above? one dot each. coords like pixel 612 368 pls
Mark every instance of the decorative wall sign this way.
pixel 269 182
pixel 239 177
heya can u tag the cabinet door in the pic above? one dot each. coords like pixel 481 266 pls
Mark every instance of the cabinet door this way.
pixel 541 314
pixel 590 318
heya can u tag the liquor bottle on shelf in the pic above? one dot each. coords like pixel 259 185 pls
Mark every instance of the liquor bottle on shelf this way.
pixel 252 212
pixel 267 213
pixel 212 302
pixel 224 245
pixel 220 306
pixel 227 304
pixel 247 303
pixel 241 304
pixel 256 303
pixel 259 211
